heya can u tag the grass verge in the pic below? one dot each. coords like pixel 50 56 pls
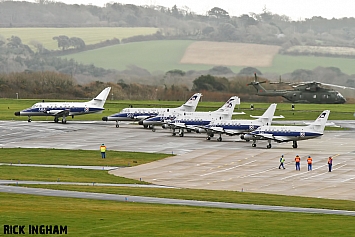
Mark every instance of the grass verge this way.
pixel 107 218
pixel 213 196
pixel 76 157
pixel 62 175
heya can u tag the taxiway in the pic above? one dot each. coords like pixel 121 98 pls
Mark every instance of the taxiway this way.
pixel 228 165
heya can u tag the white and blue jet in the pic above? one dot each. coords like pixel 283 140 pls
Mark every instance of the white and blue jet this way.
pixel 289 133
pixel 194 120
pixel 140 114
pixel 65 109
pixel 234 127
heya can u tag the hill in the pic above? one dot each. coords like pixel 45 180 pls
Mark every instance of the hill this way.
pixel 188 55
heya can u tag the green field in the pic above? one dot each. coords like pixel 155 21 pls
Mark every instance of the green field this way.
pixel 106 218
pixel 152 55
pixel 163 56
pixel 90 35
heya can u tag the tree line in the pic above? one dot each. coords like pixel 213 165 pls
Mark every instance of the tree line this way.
pixel 54 85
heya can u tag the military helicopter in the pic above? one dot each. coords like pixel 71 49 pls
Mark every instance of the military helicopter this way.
pixel 304 92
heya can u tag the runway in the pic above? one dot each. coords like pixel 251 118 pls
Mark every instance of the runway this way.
pixel 228 165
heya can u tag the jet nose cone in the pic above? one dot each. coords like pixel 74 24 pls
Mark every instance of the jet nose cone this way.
pixel 17 113
pixel 104 119
pixel 140 122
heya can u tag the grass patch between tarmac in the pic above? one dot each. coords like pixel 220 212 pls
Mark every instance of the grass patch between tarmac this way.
pixel 62 175
pixel 76 157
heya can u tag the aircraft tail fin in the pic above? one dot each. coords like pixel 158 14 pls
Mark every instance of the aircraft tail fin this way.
pixel 191 104
pixel 319 124
pixel 100 100
pixel 268 115
pixel 229 106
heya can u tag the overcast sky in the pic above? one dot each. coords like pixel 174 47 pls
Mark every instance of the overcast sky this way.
pixel 297 10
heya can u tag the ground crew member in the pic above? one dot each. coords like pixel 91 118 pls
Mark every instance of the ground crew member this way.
pixel 309 161
pixel 103 151
pixel 282 161
pixel 330 163
pixel 298 161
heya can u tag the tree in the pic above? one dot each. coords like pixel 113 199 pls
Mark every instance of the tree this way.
pixel 63 41
pixel 77 42
pixel 14 42
pixel 220 70
pixel 177 72
pixel 210 83
pixel 249 71
pixel 227 32
pixel 37 45
pixel 218 13
pixel 247 20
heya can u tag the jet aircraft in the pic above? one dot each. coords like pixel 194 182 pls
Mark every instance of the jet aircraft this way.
pixel 140 114
pixel 237 127
pixel 193 120
pixel 289 133
pixel 65 109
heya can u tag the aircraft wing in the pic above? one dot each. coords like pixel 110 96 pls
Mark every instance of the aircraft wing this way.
pixel 274 117
pixel 184 126
pixel 220 130
pixel 178 125
pixel 58 112
pixel 216 129
pixel 271 137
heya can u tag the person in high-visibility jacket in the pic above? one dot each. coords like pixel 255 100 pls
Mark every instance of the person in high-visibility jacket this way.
pixel 309 162
pixel 282 161
pixel 103 151
pixel 298 161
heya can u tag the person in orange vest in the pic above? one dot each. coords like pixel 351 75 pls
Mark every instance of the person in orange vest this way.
pixel 309 161
pixel 103 151
pixel 298 161
pixel 330 163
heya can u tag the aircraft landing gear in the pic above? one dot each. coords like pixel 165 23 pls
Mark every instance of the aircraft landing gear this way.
pixel 181 133
pixel 29 119
pixel 219 139
pixel 153 128
pixel 117 124
pixel 268 145
pixel 208 138
pixel 254 144
pixel 294 145
pixel 64 120
pixel 56 120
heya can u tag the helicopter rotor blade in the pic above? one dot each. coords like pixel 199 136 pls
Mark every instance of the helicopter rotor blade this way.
pixel 338 86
